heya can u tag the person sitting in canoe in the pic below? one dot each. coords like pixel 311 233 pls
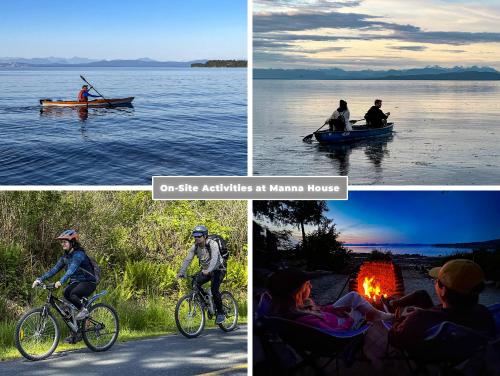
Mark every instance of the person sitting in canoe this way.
pixel 83 95
pixel 375 117
pixel 339 121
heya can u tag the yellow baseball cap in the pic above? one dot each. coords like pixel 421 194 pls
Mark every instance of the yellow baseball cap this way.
pixel 460 275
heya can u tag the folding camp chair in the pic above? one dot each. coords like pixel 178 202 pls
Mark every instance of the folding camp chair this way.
pixel 495 312
pixel 450 346
pixel 271 356
pixel 317 348
pixel 315 345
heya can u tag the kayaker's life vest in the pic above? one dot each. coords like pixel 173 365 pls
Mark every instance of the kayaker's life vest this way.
pixel 81 97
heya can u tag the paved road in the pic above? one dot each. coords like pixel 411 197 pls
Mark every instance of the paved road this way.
pixel 214 353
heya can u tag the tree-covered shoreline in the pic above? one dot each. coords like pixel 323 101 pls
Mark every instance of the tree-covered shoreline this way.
pixel 221 64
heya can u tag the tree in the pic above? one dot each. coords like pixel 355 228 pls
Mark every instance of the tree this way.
pixel 325 251
pixel 294 213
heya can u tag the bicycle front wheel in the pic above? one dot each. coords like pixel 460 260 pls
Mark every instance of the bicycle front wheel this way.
pixel 189 316
pixel 100 329
pixel 37 334
pixel 230 308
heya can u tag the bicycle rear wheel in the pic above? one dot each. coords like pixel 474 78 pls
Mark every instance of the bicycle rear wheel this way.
pixel 230 308
pixel 100 329
pixel 37 334
pixel 189 316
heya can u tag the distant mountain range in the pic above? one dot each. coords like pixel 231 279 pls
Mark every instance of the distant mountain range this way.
pixel 9 62
pixel 495 243
pixel 473 73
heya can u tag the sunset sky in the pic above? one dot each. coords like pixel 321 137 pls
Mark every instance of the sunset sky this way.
pixel 411 217
pixel 417 217
pixel 376 34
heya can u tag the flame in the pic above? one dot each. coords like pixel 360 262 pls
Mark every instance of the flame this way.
pixel 372 290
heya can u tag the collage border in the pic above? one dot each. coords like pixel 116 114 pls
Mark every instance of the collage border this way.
pixel 250 172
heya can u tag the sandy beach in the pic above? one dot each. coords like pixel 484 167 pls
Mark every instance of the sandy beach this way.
pixel 326 288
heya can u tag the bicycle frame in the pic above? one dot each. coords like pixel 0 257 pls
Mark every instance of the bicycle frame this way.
pixel 203 295
pixel 60 305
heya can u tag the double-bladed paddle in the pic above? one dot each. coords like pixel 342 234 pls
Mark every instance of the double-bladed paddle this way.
pixel 309 136
pixel 92 87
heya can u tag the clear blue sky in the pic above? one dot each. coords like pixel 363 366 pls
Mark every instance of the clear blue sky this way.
pixel 417 217
pixel 111 29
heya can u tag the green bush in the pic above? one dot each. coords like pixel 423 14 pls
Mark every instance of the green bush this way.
pixel 489 260
pixel 139 244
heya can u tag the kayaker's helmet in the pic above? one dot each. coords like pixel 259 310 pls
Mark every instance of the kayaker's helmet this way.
pixel 200 231
pixel 69 235
pixel 85 86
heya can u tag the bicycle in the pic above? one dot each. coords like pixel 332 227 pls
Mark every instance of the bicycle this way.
pixel 190 310
pixel 38 333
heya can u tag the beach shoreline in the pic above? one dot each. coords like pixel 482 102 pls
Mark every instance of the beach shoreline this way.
pixel 327 288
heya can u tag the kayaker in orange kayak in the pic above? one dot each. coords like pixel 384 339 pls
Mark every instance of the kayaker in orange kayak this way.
pixel 83 95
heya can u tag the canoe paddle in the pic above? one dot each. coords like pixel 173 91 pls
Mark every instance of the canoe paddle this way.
pixel 309 136
pixel 92 87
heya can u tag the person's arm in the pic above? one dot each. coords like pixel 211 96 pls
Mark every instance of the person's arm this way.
pixel 187 261
pixel 87 94
pixel 382 115
pixel 347 116
pixel 58 266
pixel 214 256
pixel 409 330
pixel 76 260
pixel 332 117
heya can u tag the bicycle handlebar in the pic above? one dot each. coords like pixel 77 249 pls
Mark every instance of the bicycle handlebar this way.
pixel 46 286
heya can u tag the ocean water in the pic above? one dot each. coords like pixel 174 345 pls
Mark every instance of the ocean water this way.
pixel 424 250
pixel 183 122
pixel 446 132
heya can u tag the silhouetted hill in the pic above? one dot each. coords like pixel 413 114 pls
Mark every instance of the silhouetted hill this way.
pixel 54 62
pixel 495 243
pixel 129 63
pixel 461 76
pixel 428 73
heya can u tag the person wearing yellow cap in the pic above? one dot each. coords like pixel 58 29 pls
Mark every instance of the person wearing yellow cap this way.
pixel 457 284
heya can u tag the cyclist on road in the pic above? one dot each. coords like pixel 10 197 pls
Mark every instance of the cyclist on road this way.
pixel 79 272
pixel 212 264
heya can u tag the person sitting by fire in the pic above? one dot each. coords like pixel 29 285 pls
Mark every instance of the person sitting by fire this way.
pixel 457 284
pixel 290 291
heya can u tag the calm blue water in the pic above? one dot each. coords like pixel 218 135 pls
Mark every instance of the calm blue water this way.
pixel 424 250
pixel 446 132
pixel 183 122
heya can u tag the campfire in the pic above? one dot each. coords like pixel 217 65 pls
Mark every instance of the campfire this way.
pixel 376 279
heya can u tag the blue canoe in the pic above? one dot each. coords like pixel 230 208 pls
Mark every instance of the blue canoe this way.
pixel 359 132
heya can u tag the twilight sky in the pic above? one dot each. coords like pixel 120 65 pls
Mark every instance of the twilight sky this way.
pixel 127 29
pixel 417 217
pixel 376 34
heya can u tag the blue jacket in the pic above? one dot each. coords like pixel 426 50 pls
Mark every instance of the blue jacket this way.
pixel 87 94
pixel 74 262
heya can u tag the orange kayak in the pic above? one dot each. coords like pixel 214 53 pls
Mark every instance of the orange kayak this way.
pixel 94 103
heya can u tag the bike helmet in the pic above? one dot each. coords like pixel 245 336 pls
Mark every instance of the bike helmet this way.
pixel 200 231
pixel 69 235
